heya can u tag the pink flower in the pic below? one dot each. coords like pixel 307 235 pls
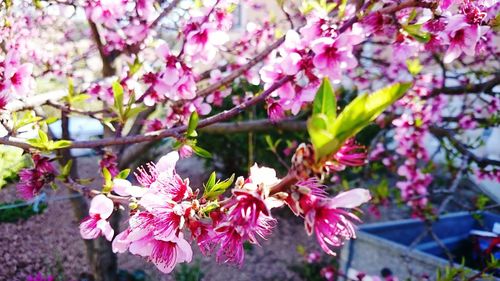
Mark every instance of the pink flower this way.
pixel 96 224
pixel 331 224
pixel 462 37
pixel 15 78
pixel 203 40
pixel 125 188
pixel 333 55
pixel 185 151
pixel 467 122
pixel 328 273
pixel 105 11
pixel 274 110
pixel 164 254
pixel 32 180
pixel 313 257
pixel 349 154
pixel 109 161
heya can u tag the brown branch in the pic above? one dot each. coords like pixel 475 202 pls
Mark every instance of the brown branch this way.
pixel 164 13
pixel 485 87
pixel 262 125
pixel 174 132
pixel 462 148
pixel 107 68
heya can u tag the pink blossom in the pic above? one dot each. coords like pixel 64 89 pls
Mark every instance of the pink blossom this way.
pixel 105 11
pixel 185 151
pixel 32 180
pixel 109 161
pixel 333 55
pixel 462 37
pixel 203 40
pixel 331 224
pixel 96 224
pixel 164 254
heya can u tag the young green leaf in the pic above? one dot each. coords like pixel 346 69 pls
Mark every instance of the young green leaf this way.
pixel 123 174
pixel 192 124
pixel 211 181
pixel 118 97
pixel 202 152
pixel 213 190
pixel 325 101
pixel 327 138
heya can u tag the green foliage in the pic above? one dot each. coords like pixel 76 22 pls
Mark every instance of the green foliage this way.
pixel 127 111
pixel 188 272
pixel 43 143
pixel 12 160
pixel 415 31
pixel 16 214
pixel 329 133
pixel 213 189
pixel 231 151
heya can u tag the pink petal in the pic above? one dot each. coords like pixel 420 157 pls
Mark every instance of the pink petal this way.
pixel 120 243
pixel 452 53
pixel 350 199
pixel 166 164
pixel 163 51
pixel 106 229
pixel 102 206
pixel 143 247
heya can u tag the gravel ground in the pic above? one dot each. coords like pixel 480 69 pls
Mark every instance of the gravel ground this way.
pixel 51 240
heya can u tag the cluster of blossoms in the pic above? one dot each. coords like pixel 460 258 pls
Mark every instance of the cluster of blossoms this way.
pixel 33 179
pixel 118 33
pixel 15 78
pixel 410 129
pixel 165 209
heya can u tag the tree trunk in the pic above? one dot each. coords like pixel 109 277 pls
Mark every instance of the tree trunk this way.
pixel 100 256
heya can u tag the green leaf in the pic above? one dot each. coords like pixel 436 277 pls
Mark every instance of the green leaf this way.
pixel 325 101
pixel 414 30
pixel 321 138
pixel 65 170
pixel 192 124
pixel 59 144
pixel 213 190
pixel 123 174
pixel 80 98
pixel 134 67
pixel 211 181
pixel 43 136
pixel 131 112
pixel 108 180
pixel 355 116
pixel 202 152
pixel 118 97
pixel 414 66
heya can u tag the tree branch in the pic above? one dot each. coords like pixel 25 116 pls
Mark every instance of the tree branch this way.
pixel 173 132
pixel 462 148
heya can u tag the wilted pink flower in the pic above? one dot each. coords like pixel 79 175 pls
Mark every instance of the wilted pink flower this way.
pixel 109 161
pixel 331 224
pixel 96 224
pixel 32 180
